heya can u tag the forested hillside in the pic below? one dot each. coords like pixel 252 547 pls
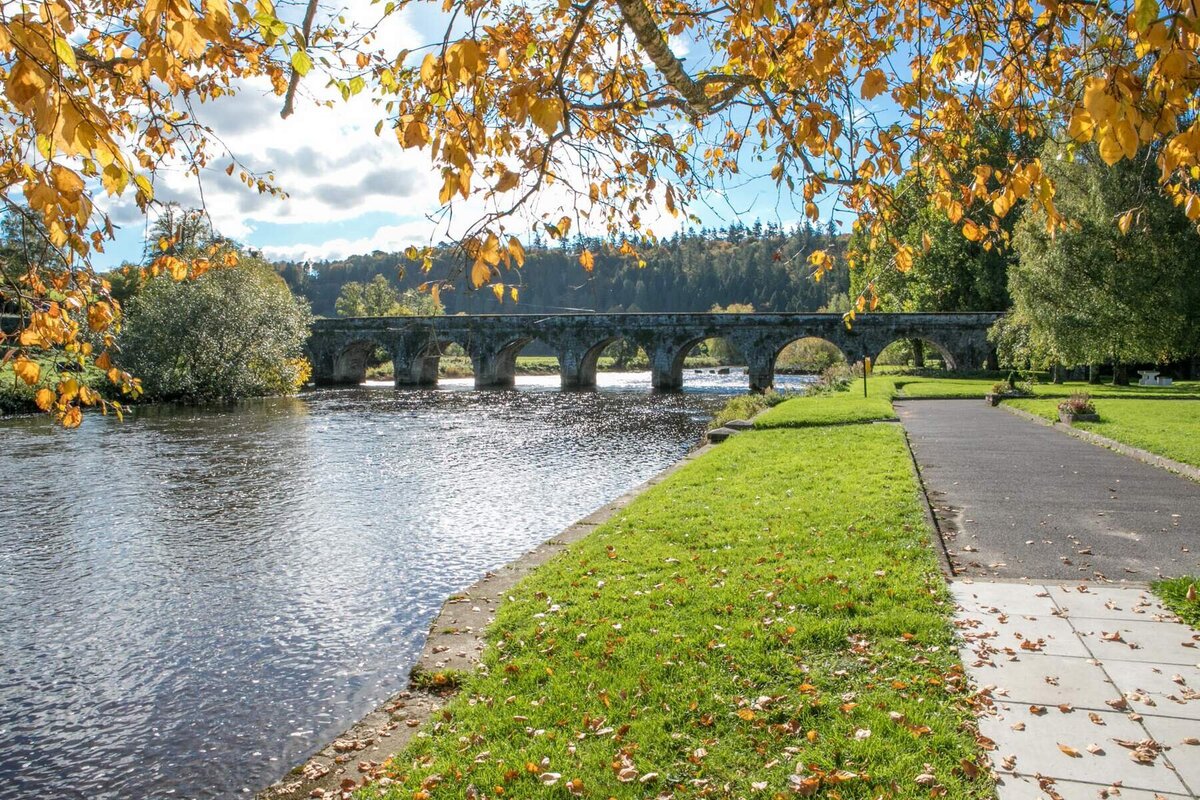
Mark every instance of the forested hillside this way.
pixel 762 265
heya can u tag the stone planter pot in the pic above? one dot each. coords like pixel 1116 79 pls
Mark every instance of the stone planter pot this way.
pixel 1070 418
pixel 993 399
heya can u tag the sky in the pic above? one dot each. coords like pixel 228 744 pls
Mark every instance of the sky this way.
pixel 349 190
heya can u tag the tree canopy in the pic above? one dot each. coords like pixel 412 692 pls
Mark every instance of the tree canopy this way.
pixel 592 105
pixel 379 298
pixel 229 334
pixel 1096 292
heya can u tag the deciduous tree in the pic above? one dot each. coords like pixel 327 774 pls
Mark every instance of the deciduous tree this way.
pixel 1115 284
pixel 594 100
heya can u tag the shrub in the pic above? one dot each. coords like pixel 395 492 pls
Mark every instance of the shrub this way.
pixel 232 333
pixel 1078 403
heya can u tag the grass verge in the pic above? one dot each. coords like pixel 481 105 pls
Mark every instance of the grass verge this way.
pixel 768 619
pixel 835 408
pixel 1173 593
pixel 1167 428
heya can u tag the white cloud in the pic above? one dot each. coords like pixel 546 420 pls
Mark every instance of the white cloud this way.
pixel 335 169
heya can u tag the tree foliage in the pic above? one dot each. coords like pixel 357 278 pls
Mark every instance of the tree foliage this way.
pixel 940 269
pixel 760 265
pixel 229 334
pixel 379 298
pixel 589 103
pixel 1115 285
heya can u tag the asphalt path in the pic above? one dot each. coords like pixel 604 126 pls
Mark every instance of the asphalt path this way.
pixel 1015 499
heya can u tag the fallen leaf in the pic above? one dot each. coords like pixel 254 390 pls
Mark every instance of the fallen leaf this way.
pixel 1071 751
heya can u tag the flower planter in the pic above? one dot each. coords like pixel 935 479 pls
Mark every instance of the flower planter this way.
pixel 993 399
pixel 1070 418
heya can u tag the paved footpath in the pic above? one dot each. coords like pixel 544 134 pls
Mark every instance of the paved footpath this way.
pixel 1015 499
pixel 1088 687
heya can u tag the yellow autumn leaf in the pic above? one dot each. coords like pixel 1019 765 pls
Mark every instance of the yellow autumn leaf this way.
pixel 587 261
pixel 480 273
pixel 904 258
pixel 1125 221
pixel 516 251
pixel 1082 126
pixel 874 83
pixel 1110 149
pixel 27 370
pixel 973 231
pixel 44 398
pixel 498 290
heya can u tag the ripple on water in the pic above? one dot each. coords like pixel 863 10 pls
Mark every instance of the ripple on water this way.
pixel 195 599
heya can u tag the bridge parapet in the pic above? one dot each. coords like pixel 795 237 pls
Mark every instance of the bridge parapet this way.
pixel 340 348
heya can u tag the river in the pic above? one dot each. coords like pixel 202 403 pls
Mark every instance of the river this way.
pixel 193 600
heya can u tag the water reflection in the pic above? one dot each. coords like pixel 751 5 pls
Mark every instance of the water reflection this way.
pixel 195 599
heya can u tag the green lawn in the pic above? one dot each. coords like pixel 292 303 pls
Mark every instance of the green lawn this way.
pixel 1173 593
pixel 770 619
pixel 836 407
pixel 1169 428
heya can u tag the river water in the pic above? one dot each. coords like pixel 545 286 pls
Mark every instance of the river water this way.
pixel 195 599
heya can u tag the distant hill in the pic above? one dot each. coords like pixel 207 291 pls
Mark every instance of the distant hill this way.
pixel 762 265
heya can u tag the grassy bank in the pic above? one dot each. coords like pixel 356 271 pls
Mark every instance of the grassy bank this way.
pixel 835 408
pixel 768 619
pixel 1169 428
pixel 1173 592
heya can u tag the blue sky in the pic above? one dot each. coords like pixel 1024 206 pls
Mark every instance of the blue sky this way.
pixel 351 191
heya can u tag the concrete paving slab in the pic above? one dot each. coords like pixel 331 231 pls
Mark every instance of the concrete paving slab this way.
pixel 1176 733
pixel 1110 602
pixel 1014 598
pixel 1078 689
pixel 1167 690
pixel 1026 787
pixel 1016 635
pixel 1049 680
pixel 1038 748
pixel 1019 500
pixel 1138 640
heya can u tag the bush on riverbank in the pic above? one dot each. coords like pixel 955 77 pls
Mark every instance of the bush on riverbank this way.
pixel 232 333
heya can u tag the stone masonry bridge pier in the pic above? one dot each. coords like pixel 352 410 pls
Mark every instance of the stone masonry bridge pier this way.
pixel 340 348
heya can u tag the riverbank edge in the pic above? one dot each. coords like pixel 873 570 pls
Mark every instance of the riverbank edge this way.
pixel 453 646
pixel 1137 453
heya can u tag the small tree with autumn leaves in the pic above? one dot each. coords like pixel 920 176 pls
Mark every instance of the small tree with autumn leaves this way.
pixel 591 105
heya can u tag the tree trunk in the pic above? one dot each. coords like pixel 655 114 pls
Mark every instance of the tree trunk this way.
pixel 1057 373
pixel 1093 373
pixel 1120 375
pixel 918 349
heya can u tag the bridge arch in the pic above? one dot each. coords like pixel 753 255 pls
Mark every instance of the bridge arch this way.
pixel 350 360
pixel 831 347
pixel 495 362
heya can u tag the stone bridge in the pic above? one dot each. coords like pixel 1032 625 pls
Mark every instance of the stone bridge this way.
pixel 340 348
